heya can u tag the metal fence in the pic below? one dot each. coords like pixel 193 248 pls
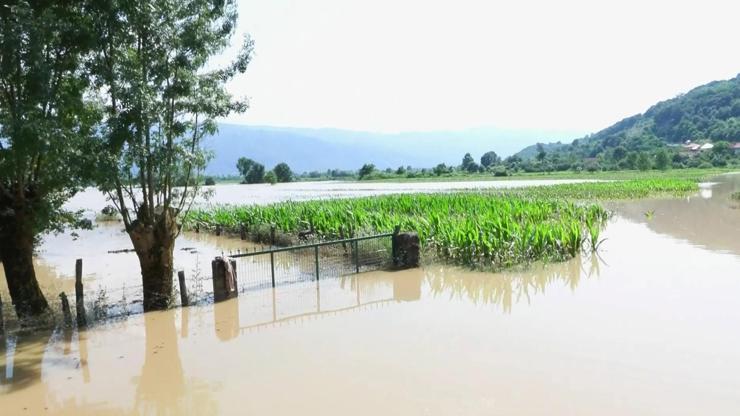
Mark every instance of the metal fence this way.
pixel 286 265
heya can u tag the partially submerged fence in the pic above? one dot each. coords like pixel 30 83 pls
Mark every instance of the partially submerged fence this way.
pixel 286 265
pixel 276 266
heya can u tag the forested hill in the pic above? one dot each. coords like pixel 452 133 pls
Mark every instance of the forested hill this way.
pixel 710 112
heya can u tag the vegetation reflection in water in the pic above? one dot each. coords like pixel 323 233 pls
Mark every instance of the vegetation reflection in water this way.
pixel 27 355
pixel 509 288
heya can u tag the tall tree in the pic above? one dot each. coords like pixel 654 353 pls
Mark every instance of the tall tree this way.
pixel 662 161
pixel 153 70
pixel 365 170
pixel 467 161
pixel 283 172
pixel 251 171
pixel 489 159
pixel 643 161
pixel 44 125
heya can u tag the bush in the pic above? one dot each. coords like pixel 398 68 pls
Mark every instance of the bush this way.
pixel 271 178
pixel 500 171
pixel 210 181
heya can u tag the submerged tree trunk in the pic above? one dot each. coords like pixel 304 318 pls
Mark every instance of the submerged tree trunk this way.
pixel 154 242
pixel 16 253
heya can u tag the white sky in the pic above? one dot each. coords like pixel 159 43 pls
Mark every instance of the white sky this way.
pixel 398 65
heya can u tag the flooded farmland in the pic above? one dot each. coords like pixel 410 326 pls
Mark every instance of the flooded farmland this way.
pixel 646 327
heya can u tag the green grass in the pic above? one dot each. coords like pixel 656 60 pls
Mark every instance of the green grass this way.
pixel 735 196
pixel 612 190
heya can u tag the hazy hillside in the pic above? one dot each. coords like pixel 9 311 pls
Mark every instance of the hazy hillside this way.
pixel 321 149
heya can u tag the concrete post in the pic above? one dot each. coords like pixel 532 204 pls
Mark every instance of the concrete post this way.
pixel 405 250
pixel 220 285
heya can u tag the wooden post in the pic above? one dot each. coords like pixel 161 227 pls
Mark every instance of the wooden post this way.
pixel 79 295
pixel 243 232
pixel 184 301
pixel 219 229
pixel 65 310
pixel 272 235
pixel 316 257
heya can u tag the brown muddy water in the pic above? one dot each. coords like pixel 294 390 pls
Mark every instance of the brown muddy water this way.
pixel 648 327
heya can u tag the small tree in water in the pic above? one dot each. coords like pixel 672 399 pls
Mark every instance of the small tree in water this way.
pixel 161 103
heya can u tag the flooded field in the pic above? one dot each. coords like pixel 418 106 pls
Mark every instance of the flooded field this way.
pixel 647 327
pixel 91 199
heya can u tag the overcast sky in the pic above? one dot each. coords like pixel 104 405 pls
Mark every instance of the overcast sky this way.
pixel 400 65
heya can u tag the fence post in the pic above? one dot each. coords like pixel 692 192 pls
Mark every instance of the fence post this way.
pixel 184 301
pixel 65 310
pixel 272 267
pixel 316 257
pixel 243 232
pixel 220 288
pixel 79 295
pixel 272 235
pixel 356 254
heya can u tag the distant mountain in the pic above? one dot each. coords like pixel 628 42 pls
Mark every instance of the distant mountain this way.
pixel 321 149
pixel 708 112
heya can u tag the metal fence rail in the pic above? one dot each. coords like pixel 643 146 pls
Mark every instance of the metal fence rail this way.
pixel 286 265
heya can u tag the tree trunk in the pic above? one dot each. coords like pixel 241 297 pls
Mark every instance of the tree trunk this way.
pixel 16 253
pixel 154 245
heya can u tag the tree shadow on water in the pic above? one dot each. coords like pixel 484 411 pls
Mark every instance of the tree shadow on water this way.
pixel 22 356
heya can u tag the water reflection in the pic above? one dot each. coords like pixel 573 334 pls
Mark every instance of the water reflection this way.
pixel 226 320
pixel 510 287
pixel 709 219
pixel 160 385
pixel 22 355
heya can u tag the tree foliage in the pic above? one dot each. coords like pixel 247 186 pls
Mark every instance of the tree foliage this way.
pixel 283 172
pixel 251 171
pixel 45 131
pixel 489 159
pixel 161 99
pixel 467 161
pixel 366 170
pixel 271 178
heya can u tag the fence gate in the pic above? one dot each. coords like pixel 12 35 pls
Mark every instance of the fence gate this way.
pixel 286 265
